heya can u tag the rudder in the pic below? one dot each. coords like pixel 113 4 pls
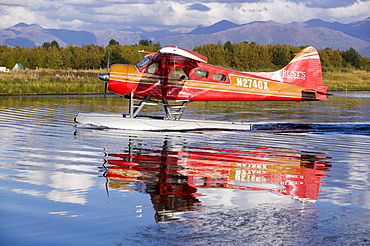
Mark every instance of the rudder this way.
pixel 303 70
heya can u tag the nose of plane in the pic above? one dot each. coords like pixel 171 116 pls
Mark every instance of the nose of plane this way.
pixel 104 77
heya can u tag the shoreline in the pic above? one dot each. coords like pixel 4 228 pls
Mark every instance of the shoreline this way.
pixel 115 95
pixel 46 82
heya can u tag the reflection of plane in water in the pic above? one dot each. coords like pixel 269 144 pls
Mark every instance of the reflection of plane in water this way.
pixel 173 177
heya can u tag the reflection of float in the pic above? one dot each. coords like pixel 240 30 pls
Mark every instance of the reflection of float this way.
pixel 172 178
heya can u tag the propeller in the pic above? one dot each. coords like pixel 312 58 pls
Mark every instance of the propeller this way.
pixel 105 76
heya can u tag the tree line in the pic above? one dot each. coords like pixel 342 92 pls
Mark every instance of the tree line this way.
pixel 51 55
pixel 256 57
pixel 243 56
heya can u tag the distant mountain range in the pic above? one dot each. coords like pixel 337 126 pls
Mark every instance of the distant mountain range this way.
pixel 317 33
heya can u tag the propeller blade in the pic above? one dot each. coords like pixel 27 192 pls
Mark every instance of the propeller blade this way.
pixel 106 76
pixel 108 63
pixel 105 87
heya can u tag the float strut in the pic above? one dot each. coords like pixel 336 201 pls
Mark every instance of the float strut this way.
pixel 135 109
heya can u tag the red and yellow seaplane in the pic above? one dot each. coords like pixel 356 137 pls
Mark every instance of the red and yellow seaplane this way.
pixel 174 77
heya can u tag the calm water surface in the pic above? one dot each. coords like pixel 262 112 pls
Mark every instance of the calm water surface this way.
pixel 306 183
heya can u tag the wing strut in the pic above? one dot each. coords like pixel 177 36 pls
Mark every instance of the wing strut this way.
pixel 134 109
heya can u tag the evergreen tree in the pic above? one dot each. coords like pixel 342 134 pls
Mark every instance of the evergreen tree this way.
pixel 229 47
pixel 145 42
pixel 113 42
pixel 46 45
pixel 279 57
pixel 55 44
pixel 352 58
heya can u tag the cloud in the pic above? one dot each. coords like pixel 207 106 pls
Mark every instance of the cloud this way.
pixel 118 14
pixel 199 7
pixel 326 4
pixel 360 9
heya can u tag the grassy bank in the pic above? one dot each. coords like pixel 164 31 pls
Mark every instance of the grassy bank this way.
pixel 352 80
pixel 46 82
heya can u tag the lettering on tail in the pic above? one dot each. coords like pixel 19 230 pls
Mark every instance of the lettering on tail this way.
pixel 293 74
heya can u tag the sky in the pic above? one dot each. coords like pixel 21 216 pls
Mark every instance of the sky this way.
pixel 119 14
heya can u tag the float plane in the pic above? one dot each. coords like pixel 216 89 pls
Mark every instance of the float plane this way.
pixel 174 77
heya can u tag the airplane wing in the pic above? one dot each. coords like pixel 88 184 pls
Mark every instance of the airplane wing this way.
pixel 175 51
pixel 171 57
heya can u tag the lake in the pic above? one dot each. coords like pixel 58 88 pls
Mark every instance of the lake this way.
pixel 304 180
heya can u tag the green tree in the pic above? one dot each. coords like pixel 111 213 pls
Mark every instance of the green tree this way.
pixel 52 59
pixel 229 47
pixel 352 58
pixel 55 44
pixel 114 57
pixel 46 45
pixel 330 58
pixel 113 42
pixel 279 56
pixel 365 63
pixel 49 45
pixel 145 42
pixel 92 56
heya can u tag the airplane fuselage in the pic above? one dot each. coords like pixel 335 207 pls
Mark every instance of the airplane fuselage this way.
pixel 201 83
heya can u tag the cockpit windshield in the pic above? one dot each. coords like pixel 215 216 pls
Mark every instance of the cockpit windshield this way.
pixel 143 62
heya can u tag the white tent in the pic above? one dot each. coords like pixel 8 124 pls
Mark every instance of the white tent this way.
pixel 18 66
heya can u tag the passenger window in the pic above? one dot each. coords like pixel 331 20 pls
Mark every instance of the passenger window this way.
pixel 219 76
pixel 151 68
pixel 178 73
pixel 201 73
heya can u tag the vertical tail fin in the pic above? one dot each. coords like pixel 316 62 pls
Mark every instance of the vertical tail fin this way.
pixel 304 70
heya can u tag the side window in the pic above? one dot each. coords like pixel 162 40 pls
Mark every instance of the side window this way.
pixel 201 73
pixel 151 68
pixel 219 76
pixel 178 73
pixel 143 62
